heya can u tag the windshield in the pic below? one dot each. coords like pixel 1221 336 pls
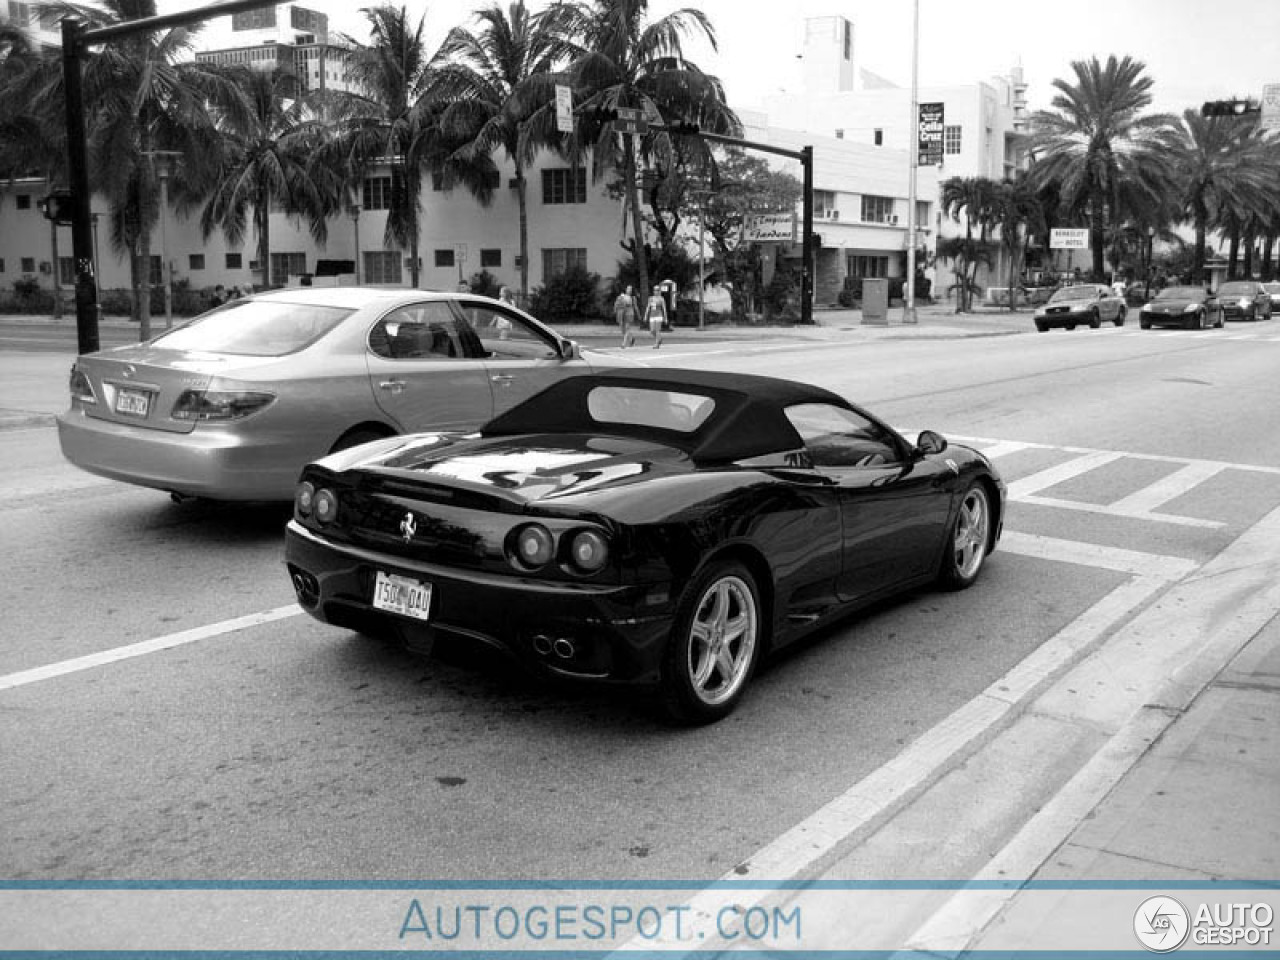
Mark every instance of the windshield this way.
pixel 1237 289
pixel 255 328
pixel 1074 293
pixel 1194 294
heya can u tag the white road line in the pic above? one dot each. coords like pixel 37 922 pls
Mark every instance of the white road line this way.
pixel 1153 457
pixel 88 662
pixel 1061 472
pixel 1168 488
pixel 1094 555
pixel 1109 511
pixel 1005 447
pixel 878 795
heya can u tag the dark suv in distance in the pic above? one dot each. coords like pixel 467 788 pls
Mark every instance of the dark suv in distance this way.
pixel 1245 300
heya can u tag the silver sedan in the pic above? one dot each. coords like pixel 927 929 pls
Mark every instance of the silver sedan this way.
pixel 232 404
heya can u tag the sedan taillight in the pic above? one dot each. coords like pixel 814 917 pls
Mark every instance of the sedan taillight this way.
pixel 81 388
pixel 219 406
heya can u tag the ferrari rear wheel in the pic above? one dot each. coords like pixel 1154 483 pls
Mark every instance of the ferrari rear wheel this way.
pixel 966 549
pixel 714 646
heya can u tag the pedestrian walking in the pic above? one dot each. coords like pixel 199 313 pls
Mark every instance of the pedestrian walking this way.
pixel 627 312
pixel 655 314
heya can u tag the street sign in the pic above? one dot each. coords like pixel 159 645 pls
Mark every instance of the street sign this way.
pixel 651 114
pixel 1069 239
pixel 460 250
pixel 629 120
pixel 564 109
pixel 1271 106
pixel 929 135
pixel 764 227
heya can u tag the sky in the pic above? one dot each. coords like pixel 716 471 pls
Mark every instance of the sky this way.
pixel 1194 50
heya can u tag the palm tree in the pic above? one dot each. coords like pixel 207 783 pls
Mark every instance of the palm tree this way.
pixel 142 94
pixel 382 123
pixel 1226 166
pixel 1016 211
pixel 974 197
pixel 1095 143
pixel 619 59
pixel 264 163
pixel 494 81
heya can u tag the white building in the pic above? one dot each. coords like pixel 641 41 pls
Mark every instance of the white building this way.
pixel 858 125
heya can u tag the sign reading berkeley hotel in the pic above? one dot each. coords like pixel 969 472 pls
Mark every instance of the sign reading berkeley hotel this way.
pixel 1069 239
pixel 929 135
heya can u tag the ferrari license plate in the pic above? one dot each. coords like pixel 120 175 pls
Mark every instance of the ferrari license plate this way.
pixel 409 598
pixel 135 403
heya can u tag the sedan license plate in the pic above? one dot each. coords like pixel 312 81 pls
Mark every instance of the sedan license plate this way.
pixel 135 403
pixel 409 598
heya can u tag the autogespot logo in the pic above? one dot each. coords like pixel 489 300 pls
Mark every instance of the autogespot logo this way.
pixel 1161 924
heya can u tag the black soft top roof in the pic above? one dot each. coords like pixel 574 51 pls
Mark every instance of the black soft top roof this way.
pixel 748 419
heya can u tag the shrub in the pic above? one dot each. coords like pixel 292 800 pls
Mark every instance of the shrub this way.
pixel 485 284
pixel 782 297
pixel 572 295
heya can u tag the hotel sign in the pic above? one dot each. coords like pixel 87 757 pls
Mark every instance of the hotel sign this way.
pixel 1069 239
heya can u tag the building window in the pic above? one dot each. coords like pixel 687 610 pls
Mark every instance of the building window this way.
pixel 557 260
pixel 848 40
pixel 951 140
pixel 286 265
pixel 839 134
pixel 19 13
pixel 233 261
pixel 879 137
pixel 382 266
pixel 877 209
pixel 824 204
pixel 1 264
pixel 862 266
pixel 490 258
pixel 28 264
pixel 377 193
pixel 67 271
pixel 24 201
pixel 444 258
pixel 195 261
pixel 564 186
pixel 922 215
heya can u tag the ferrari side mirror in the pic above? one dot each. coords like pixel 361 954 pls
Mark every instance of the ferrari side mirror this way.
pixel 930 443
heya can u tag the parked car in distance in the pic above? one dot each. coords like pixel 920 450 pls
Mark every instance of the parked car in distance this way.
pixel 1245 300
pixel 654 527
pixel 232 404
pixel 1191 308
pixel 1273 290
pixel 1082 303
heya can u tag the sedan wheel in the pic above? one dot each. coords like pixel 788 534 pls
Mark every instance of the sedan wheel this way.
pixel 714 646
pixel 1119 321
pixel 1095 320
pixel 966 549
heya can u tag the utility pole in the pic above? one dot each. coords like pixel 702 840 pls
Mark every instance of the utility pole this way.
pixel 909 310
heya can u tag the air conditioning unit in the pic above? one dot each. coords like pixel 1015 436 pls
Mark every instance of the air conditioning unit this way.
pixel 833 214
pixel 893 219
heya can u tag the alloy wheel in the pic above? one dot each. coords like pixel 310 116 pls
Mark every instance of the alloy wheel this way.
pixel 722 640
pixel 973 528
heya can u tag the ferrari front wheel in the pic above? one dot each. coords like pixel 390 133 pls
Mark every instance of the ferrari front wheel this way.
pixel 966 548
pixel 714 646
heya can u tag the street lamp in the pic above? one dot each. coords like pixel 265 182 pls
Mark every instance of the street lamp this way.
pixel 164 161
pixel 1151 239
pixel 355 228
pixel 702 196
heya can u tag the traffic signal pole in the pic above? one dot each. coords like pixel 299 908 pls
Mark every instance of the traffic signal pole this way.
pixel 805 156
pixel 76 38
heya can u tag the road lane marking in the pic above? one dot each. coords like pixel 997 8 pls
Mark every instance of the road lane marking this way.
pixel 1250 566
pixel 870 802
pixel 1156 495
pixel 154 645
pixel 1085 554
pixel 1019 489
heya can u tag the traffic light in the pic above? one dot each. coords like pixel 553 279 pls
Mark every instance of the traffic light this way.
pixel 1228 108
pixel 59 207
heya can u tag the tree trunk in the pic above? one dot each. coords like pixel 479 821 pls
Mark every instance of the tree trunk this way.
pixel 1233 257
pixel 1097 239
pixel 1248 253
pixel 1268 244
pixel 142 283
pixel 262 216
pixel 633 204
pixel 1198 265
pixel 522 201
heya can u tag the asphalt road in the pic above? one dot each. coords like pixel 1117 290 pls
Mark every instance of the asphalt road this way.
pixel 289 750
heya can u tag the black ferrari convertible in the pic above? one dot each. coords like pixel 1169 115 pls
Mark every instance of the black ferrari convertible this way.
pixel 647 526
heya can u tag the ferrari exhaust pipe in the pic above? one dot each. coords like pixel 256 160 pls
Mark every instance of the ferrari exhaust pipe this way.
pixel 541 644
pixel 563 648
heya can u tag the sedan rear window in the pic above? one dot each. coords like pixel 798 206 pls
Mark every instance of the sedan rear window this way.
pixel 661 409
pixel 255 328
pixel 1074 293
pixel 1238 289
pixel 1194 294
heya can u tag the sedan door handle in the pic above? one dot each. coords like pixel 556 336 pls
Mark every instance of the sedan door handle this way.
pixel 503 378
pixel 395 386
